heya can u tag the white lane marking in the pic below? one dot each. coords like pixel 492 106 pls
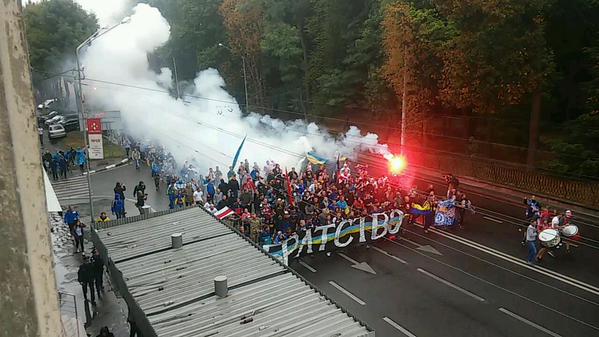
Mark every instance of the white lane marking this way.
pixel 502 288
pixel 506 257
pixel 537 268
pixel 410 241
pixel 348 258
pixel 110 166
pixel 492 219
pixel 125 160
pixel 389 255
pixel 350 295
pixel 533 324
pixel 447 283
pixel 398 327
pixel 424 248
pixel 307 266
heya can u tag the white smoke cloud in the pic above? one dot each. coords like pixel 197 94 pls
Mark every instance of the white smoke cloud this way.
pixel 108 12
pixel 206 126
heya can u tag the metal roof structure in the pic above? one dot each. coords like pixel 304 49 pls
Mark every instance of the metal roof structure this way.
pixel 174 287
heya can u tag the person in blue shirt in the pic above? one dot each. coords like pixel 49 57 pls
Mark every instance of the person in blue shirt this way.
pixel 118 206
pixel 210 189
pixel 342 204
pixel 70 218
pixel 266 236
pixel 62 165
pixel 279 238
pixel 81 158
pixel 255 174
pixel 171 191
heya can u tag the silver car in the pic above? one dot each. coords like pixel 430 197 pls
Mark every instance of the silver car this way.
pixel 56 131
pixel 58 119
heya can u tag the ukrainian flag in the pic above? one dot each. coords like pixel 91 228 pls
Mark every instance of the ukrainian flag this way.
pixel 315 159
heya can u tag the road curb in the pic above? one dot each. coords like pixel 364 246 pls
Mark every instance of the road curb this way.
pixel 121 163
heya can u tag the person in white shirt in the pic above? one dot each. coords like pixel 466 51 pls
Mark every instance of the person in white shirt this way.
pixel 198 197
pixel 531 241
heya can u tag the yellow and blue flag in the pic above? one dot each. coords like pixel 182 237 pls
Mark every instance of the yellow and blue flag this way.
pixel 315 159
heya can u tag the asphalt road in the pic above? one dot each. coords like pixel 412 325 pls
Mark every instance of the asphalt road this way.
pixel 103 184
pixel 469 282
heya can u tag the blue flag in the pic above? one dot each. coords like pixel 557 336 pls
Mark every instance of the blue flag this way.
pixel 238 152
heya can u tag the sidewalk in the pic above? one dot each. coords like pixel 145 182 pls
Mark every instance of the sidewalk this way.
pixel 110 310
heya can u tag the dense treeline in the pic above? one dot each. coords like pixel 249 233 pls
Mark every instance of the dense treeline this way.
pixel 534 60
pixel 54 29
pixel 529 69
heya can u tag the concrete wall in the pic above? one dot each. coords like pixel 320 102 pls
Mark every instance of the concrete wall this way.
pixel 28 295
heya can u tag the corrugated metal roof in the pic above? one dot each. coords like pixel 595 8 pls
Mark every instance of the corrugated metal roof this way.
pixel 175 287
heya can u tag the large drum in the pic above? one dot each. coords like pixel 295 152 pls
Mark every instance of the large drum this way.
pixel 569 231
pixel 549 238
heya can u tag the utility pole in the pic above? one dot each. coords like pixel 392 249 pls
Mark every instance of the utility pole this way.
pixel 29 302
pixel 245 83
pixel 404 95
pixel 82 113
pixel 245 86
pixel 176 78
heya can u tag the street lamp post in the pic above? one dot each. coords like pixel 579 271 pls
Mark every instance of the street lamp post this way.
pixel 245 84
pixel 81 108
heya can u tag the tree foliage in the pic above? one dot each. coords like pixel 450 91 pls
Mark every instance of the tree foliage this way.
pixel 356 60
pixel 54 30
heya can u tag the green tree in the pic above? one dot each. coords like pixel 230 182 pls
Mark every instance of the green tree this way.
pixel 54 29
pixel 415 40
pixel 196 31
pixel 333 27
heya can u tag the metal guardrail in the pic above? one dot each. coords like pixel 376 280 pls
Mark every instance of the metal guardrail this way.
pixel 583 192
pixel 68 309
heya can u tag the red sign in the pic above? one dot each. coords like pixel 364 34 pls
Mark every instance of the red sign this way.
pixel 94 126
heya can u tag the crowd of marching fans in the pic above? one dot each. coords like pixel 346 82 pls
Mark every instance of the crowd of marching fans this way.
pixel 269 203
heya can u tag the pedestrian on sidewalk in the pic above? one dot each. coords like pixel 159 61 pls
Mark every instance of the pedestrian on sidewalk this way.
pixel 120 190
pixel 104 332
pixel 171 192
pixel 531 241
pixel 157 181
pixel 54 165
pixel 47 159
pixel 72 156
pixel 141 198
pixel 118 206
pixel 62 165
pixel 40 131
pixel 188 195
pixel 86 279
pixel 98 271
pixel 78 235
pixel 136 156
pixel 133 330
pixel 70 218
pixel 81 159
pixel 127 145
pixel 139 187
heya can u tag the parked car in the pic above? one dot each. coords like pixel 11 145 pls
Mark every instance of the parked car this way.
pixel 56 131
pixel 52 114
pixel 47 103
pixel 71 124
pixel 58 119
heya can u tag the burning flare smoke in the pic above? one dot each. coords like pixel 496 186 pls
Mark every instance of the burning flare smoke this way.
pixel 206 127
